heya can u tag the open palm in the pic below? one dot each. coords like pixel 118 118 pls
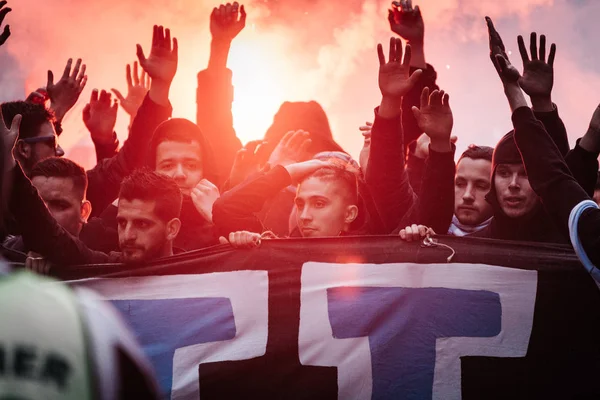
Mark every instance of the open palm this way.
pixel 435 116
pixel 538 74
pixel 161 64
pixel 395 79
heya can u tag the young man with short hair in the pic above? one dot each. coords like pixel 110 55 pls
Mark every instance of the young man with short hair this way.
pixel 326 200
pixel 472 182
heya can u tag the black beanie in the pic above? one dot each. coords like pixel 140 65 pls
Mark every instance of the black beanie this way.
pixel 506 151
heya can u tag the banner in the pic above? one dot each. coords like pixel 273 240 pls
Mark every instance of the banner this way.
pixel 364 318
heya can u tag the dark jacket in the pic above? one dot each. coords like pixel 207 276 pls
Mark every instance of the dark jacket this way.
pixel 551 179
pixel 43 235
pixel 538 225
pixel 387 178
pixel 104 180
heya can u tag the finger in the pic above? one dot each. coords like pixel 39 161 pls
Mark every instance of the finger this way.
pixel 103 98
pixel 409 5
pixel 50 79
pixel 418 11
pixel 161 36
pixel 398 50
pixel 94 97
pixel 425 97
pixel 416 112
pixel 392 50
pixel 4 11
pixel 243 15
pixel 154 36
pixel 285 140
pixel 208 184
pixel 140 55
pixel 297 139
pixel 86 112
pixel 435 99
pixel 415 232
pixel 76 69
pixel 175 49
pixel 82 84
pixel 231 237
pixel 5 35
pixel 28 264
pixel 380 54
pixel 543 48
pixel 144 80
pixel 252 145
pixel 409 234
pixel 115 107
pixel 403 234
pixel 136 76
pixel 446 100
pixel 81 74
pixel 533 46
pixel 552 55
pixel 15 125
pixel 118 95
pixel 422 231
pixel 407 55
pixel 414 78
pixel 240 156
pixel 365 128
pixel 391 18
pixel 305 146
pixel 522 49
pixel 67 70
pixel 453 139
pixel 167 42
pixel 222 240
pixel 46 267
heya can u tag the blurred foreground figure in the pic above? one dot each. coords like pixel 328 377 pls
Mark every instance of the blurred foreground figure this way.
pixel 57 342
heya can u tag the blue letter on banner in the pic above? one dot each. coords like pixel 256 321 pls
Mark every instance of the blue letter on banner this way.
pixel 164 325
pixel 403 324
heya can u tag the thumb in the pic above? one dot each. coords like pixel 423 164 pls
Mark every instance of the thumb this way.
pixel 50 79
pixel 414 78
pixel 119 95
pixel 140 55
pixel 86 112
pixel 222 240
pixel 453 139
pixel 416 112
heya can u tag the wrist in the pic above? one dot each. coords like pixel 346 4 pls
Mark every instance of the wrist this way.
pixel 590 141
pixel 417 59
pixel 542 103
pixel 59 111
pixel 159 92
pixel 104 138
pixel 390 107
pixel 219 52
pixel 514 95
pixel 441 145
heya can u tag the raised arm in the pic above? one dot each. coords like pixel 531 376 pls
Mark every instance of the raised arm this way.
pixel 436 197
pixel 386 176
pixel 100 117
pixel 215 91
pixel 65 93
pixel 161 65
pixel 408 23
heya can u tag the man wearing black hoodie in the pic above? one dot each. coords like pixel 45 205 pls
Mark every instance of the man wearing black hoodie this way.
pixel 518 212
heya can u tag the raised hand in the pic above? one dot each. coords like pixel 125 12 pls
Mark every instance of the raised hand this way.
pixel 248 160
pixel 138 86
pixel 538 73
pixel 161 64
pixel 204 196
pixel 100 116
pixel 395 79
pixel 65 93
pixel 496 44
pixel 292 148
pixel 435 118
pixel 407 21
pixel 227 21
pixel 9 138
pixel 6 32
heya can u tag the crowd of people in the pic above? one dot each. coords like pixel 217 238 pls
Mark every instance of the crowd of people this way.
pixel 177 185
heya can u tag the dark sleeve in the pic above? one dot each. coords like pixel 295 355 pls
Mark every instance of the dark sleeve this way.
pixel 106 150
pixel 236 209
pixel 104 180
pixel 213 100
pixel 584 167
pixel 555 128
pixel 41 233
pixel 436 198
pixel 415 167
pixel 551 179
pixel 413 98
pixel 386 177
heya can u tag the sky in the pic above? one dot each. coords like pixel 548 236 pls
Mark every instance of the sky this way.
pixel 303 50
